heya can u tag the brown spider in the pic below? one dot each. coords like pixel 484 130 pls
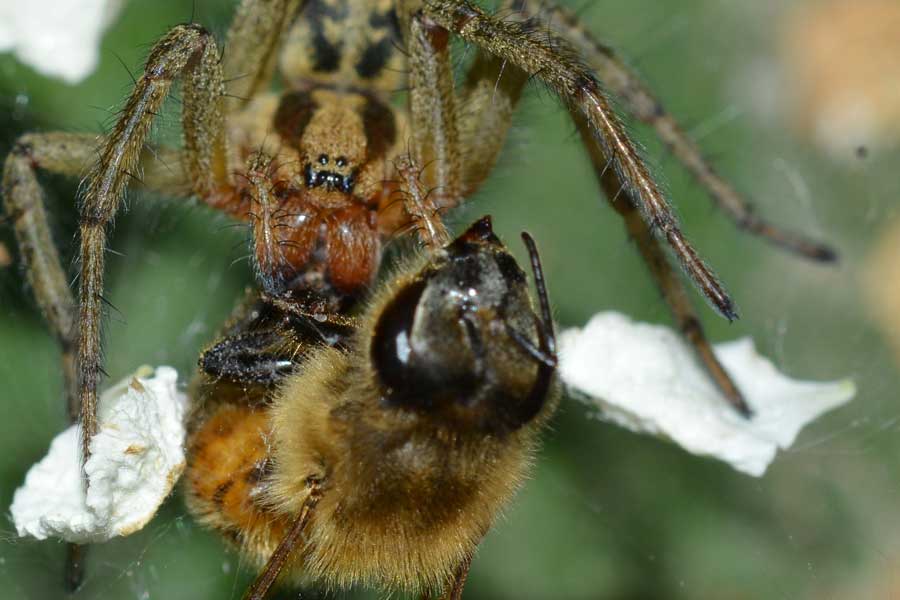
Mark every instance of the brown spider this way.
pixel 314 169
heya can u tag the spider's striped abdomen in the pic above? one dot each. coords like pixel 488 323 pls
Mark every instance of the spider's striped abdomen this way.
pixel 345 43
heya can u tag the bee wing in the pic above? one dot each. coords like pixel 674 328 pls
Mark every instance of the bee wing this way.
pixel 268 344
pixel 260 357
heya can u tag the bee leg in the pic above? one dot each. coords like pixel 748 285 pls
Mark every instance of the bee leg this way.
pixel 459 580
pixel 456 584
pixel 282 554
pixel 249 357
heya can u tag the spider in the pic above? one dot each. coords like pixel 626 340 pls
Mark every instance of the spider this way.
pixel 313 169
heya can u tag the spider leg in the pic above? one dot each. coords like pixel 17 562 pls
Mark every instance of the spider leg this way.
pixel 23 203
pixel 252 46
pixel 65 154
pixel 443 124
pixel 188 52
pixel 440 129
pixel 670 285
pixel 432 107
pixel 488 98
pixel 639 101
pixel 553 60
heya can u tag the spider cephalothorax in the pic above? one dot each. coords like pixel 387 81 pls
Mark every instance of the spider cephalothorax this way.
pixel 318 178
pixel 319 157
pixel 328 169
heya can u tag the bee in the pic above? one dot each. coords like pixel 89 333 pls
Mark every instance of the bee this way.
pixel 379 448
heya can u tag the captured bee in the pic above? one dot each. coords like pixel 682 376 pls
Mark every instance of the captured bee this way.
pixel 377 449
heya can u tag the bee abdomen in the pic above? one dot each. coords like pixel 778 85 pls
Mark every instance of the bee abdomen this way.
pixel 227 477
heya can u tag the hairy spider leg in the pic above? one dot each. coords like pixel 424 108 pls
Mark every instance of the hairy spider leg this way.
pixel 187 52
pixel 640 102
pixel 68 154
pixel 24 205
pixel 252 47
pixel 457 140
pixel 673 290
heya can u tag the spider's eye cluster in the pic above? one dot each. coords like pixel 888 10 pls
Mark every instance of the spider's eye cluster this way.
pixel 331 180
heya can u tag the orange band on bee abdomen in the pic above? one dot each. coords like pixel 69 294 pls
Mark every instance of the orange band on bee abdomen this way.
pixel 226 477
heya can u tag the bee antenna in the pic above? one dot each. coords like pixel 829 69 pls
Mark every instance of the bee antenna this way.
pixel 545 356
pixel 548 336
pixel 533 351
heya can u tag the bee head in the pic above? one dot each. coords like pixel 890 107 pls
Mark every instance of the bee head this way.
pixel 461 343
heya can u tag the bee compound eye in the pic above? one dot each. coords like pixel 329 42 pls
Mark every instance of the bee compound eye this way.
pixel 421 353
pixel 391 350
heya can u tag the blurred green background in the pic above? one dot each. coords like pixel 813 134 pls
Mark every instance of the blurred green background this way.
pixel 608 514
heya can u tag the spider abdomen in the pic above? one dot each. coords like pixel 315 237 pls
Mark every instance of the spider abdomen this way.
pixel 345 42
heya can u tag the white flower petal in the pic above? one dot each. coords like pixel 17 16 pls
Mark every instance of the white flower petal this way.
pixel 646 379
pixel 136 458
